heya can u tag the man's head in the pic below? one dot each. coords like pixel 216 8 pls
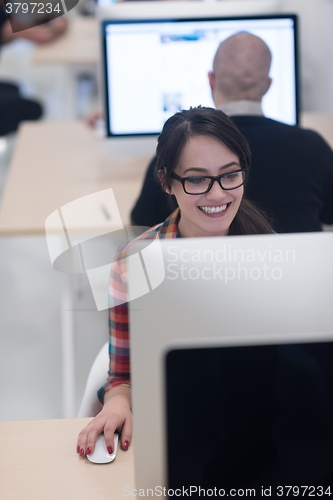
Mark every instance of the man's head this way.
pixel 240 69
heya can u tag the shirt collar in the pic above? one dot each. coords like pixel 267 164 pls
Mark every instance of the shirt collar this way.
pixel 242 107
pixel 169 228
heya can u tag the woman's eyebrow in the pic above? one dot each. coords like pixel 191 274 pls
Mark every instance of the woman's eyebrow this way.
pixel 203 170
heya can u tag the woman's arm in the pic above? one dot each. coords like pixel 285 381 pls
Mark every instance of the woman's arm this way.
pixel 116 393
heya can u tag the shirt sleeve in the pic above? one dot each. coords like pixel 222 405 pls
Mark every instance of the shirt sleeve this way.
pixel 119 369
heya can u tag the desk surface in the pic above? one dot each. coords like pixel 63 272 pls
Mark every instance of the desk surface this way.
pixel 321 123
pixel 38 461
pixel 79 46
pixel 56 163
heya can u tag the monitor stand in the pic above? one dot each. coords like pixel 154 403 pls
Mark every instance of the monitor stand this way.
pixel 131 147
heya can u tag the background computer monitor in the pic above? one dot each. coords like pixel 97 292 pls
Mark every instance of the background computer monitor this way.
pixel 154 68
pixel 238 290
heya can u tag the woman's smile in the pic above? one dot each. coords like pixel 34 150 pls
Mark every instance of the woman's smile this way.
pixel 211 213
pixel 214 210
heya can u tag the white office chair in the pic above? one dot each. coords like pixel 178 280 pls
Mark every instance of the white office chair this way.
pixel 90 405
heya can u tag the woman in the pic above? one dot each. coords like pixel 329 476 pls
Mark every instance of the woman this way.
pixel 203 160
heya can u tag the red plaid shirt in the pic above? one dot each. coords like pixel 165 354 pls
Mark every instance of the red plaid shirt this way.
pixel 119 341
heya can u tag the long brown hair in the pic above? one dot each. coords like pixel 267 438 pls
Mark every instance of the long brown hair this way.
pixel 208 121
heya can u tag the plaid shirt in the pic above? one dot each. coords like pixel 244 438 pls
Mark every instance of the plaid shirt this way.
pixel 119 351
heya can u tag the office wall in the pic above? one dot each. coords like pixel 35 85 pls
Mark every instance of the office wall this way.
pixel 316 42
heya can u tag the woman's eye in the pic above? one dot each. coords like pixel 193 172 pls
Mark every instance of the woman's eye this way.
pixel 231 176
pixel 196 180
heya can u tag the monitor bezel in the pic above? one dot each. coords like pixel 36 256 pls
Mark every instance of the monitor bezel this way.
pixel 178 330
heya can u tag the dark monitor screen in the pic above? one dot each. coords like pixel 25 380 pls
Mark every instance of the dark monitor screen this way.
pixel 256 417
pixel 154 68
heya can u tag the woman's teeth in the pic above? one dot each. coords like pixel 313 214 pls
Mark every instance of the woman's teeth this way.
pixel 213 210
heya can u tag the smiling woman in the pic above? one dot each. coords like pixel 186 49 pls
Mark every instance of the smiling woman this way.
pixel 204 151
pixel 206 208
pixel 203 160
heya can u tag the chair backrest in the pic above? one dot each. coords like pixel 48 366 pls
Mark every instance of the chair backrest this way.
pixel 90 404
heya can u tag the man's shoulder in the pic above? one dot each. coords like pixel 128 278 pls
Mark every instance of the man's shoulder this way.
pixel 269 123
pixel 253 125
pixel 263 122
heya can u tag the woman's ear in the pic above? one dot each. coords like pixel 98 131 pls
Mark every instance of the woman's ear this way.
pixel 162 178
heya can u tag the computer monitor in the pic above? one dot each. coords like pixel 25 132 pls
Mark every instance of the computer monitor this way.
pixel 262 290
pixel 154 68
pixel 250 417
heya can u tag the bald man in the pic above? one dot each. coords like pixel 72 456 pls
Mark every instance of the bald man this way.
pixel 240 70
pixel 291 176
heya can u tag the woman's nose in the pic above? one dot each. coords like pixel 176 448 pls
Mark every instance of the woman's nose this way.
pixel 216 192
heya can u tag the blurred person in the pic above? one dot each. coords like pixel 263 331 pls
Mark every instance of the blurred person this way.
pixel 292 168
pixel 13 107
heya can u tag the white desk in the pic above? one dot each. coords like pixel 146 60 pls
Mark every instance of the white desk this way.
pixel 38 461
pixel 79 46
pixel 54 164
pixel 321 123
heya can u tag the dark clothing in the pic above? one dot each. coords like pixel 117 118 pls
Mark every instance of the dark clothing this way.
pixel 153 203
pixel 13 107
pixel 3 18
pixel 291 178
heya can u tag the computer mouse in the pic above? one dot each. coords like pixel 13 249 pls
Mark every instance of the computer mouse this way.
pixel 100 455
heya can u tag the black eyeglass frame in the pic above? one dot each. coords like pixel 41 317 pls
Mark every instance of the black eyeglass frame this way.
pixel 212 178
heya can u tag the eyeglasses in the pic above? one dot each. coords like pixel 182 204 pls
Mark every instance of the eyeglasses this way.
pixel 203 184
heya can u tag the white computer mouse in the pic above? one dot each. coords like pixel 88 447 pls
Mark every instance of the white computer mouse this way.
pixel 100 454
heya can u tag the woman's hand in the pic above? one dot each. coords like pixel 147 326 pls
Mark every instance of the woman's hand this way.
pixel 115 415
pixel 93 117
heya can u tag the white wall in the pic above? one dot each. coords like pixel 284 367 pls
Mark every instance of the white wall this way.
pixel 316 52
